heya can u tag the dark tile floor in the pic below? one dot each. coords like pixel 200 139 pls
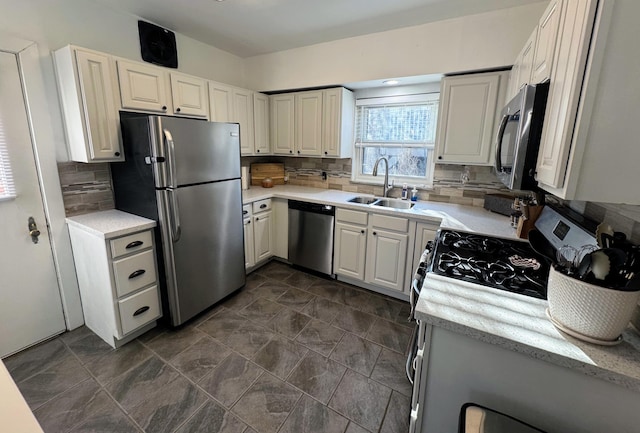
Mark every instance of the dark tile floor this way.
pixel 289 353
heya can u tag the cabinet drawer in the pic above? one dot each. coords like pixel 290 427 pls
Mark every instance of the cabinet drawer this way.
pixel 139 309
pixel 246 210
pixel 131 244
pixel 351 216
pixel 261 205
pixel 134 272
pixel 391 223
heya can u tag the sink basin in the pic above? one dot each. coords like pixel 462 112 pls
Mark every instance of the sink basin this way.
pixel 395 204
pixel 363 200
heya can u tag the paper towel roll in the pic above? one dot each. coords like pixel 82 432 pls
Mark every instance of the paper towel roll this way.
pixel 246 177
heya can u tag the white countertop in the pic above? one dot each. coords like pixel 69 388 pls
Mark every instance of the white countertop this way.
pixel 519 323
pixel 14 412
pixel 453 216
pixel 110 224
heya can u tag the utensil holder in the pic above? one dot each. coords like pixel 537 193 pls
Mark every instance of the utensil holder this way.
pixel 595 312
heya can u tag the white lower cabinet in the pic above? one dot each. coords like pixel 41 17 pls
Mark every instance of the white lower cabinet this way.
pixel 249 244
pixel 350 248
pixel 263 235
pixel 373 249
pixel 116 275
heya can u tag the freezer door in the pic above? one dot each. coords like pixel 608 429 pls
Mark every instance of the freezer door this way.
pixel 203 246
pixel 195 151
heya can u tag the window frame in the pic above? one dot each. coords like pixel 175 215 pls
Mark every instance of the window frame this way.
pixel 357 176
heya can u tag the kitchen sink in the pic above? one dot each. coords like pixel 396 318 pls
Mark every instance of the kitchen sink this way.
pixel 363 200
pixel 394 204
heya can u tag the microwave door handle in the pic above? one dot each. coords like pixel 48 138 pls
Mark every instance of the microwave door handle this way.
pixel 499 138
pixel 172 157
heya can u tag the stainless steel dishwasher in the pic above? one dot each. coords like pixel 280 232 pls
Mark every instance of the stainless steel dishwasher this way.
pixel 311 236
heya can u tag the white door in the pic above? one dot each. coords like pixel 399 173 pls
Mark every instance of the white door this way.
pixel 30 304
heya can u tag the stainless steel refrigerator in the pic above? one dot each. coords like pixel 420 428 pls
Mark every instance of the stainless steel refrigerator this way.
pixel 185 174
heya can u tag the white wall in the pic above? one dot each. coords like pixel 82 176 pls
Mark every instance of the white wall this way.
pixel 468 43
pixel 54 24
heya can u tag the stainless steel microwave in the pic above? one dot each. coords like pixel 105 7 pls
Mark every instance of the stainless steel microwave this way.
pixel 518 138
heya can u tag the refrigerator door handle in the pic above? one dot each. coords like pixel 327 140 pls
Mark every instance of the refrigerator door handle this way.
pixel 175 216
pixel 172 157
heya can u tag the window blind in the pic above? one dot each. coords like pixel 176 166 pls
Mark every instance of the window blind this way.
pixel 7 186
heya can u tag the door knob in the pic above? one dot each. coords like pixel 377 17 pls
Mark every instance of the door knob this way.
pixel 33 230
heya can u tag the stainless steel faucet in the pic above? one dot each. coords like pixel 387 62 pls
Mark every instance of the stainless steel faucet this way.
pixel 387 187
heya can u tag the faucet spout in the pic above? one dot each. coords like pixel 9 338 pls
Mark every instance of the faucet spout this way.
pixel 387 186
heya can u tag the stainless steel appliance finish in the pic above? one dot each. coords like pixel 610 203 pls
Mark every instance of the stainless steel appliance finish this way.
pixel 518 138
pixel 185 174
pixel 311 236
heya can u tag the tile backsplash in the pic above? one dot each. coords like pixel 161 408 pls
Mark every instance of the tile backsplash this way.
pixel 448 186
pixel 85 187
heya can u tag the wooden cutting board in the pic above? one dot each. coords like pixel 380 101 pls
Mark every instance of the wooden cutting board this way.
pixel 260 171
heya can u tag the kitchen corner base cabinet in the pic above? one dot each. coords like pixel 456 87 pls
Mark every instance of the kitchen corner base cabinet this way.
pixel 115 261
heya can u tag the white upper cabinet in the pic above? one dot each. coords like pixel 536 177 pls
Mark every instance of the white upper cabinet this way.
pixel 221 102
pixel 547 33
pixel 308 123
pixel 526 62
pixel 338 117
pixel 469 109
pixel 282 119
pixel 189 95
pixel 143 87
pixel 261 123
pixel 243 114
pixel 313 123
pixel 86 81
pixel 586 149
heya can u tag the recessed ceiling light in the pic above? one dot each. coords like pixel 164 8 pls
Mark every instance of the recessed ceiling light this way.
pixel 390 82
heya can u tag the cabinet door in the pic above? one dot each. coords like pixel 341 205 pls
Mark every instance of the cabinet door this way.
pixel 526 65
pixel 102 124
pixel 512 87
pixel 261 123
pixel 282 120
pixel 350 250
pixel 189 95
pixel 221 102
pixel 331 121
pixel 143 87
pixel 542 61
pixel 570 60
pixel 243 114
pixel 308 130
pixel 467 116
pixel 249 246
pixel 263 236
pixel 386 259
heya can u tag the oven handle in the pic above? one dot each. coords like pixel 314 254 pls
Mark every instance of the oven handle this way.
pixel 499 138
pixel 412 356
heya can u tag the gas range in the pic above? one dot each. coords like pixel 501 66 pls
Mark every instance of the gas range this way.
pixel 503 264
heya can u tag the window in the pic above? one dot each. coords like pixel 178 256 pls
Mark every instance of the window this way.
pixel 400 128
pixel 7 188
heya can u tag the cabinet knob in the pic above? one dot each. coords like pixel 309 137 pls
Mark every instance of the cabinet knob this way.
pixel 374 233
pixel 362 231
pixel 326 153
pixel 117 154
pixel 164 108
pixel 291 151
pixel 298 151
pixel 440 157
pixel 257 150
pixel 178 110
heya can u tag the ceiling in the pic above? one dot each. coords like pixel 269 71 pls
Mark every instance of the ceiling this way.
pixel 251 27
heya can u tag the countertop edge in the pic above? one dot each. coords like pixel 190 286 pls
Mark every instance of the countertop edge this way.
pixel 110 224
pixel 534 352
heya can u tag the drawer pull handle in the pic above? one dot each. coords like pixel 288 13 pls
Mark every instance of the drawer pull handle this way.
pixel 141 310
pixel 134 244
pixel 244 212
pixel 136 273
pixel 262 206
